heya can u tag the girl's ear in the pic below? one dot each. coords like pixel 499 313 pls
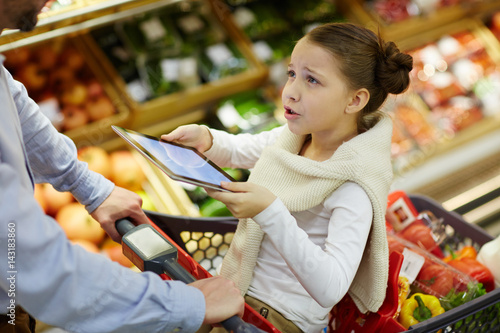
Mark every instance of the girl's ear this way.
pixel 359 100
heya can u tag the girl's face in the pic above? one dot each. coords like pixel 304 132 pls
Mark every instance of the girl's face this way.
pixel 315 96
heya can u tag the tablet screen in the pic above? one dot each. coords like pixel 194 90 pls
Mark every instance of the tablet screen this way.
pixel 179 162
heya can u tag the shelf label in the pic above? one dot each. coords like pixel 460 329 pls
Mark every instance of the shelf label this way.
pixel 243 17
pixel 412 264
pixel 262 50
pixel 153 29
pixel 191 24
pixel 138 90
pixel 219 53
pixel 170 69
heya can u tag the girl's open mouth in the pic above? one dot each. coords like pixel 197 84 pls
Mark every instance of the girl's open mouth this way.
pixel 290 114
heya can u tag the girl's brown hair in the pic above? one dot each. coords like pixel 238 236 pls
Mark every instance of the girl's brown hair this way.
pixel 366 61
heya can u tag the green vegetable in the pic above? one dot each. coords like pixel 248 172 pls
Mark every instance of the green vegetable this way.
pixel 422 312
pixel 214 208
pixel 454 298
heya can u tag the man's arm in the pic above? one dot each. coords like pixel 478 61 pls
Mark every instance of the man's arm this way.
pixel 64 285
pixel 53 159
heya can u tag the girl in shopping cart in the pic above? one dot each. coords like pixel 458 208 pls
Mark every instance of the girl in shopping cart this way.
pixel 312 225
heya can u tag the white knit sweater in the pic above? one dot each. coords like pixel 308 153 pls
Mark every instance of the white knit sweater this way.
pixel 302 183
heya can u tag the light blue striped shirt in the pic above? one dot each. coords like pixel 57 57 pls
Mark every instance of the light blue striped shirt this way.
pixel 58 283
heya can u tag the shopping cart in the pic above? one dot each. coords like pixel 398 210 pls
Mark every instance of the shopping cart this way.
pixel 211 237
pixel 150 249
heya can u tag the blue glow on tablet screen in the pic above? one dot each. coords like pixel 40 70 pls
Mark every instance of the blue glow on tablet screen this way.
pixel 182 162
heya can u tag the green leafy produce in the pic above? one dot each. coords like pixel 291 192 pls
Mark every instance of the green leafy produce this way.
pixel 213 208
pixel 454 298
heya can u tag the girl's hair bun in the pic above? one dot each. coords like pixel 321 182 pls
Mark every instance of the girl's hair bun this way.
pixel 393 69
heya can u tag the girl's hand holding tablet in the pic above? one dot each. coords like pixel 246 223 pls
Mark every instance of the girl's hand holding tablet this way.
pixel 245 199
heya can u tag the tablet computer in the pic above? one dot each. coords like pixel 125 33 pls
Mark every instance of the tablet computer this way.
pixel 179 162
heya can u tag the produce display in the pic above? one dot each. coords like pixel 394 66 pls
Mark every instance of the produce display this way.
pixel 250 111
pixel 391 11
pixel 455 76
pixel 274 26
pixel 174 49
pixel 58 78
pixel 80 228
pixel 454 86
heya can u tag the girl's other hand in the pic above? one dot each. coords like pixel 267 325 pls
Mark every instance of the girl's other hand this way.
pixel 245 199
pixel 196 136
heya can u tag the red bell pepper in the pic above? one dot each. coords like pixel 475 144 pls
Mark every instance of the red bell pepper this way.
pixel 475 270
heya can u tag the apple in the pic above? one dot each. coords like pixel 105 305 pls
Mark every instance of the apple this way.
pixel 495 21
pixel 115 253
pixel 97 158
pixel 74 94
pixel 74 117
pixel 61 77
pixel 100 108
pixel 32 76
pixel 55 199
pixel 72 58
pixel 126 171
pixel 94 89
pixel 17 58
pixel 40 198
pixel 45 56
pixel 78 224
pixel 87 245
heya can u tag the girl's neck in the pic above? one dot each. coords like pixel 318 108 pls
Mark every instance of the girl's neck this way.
pixel 318 150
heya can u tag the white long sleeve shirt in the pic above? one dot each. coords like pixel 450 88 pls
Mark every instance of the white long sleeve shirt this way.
pixel 308 259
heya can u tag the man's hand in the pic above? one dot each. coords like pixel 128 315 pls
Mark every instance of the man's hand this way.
pixel 121 203
pixel 222 299
pixel 245 200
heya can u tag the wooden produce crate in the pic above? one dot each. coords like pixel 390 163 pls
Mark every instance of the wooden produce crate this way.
pixel 98 131
pixel 50 69
pixel 360 12
pixel 169 106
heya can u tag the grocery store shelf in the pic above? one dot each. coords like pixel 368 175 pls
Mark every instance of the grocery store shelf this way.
pixel 465 180
pixel 480 191
pixel 456 171
pixel 78 19
pixel 486 211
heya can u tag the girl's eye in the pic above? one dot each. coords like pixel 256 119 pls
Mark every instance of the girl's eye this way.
pixel 312 80
pixel 291 73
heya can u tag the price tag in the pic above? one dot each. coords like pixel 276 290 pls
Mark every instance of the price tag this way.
pixel 229 116
pixel 138 90
pixel 219 53
pixel 191 24
pixel 243 17
pixel 170 69
pixel 153 29
pixel 262 50
pixel 188 72
pixel 188 67
pixel 412 264
pixel 120 53
pixel 399 215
